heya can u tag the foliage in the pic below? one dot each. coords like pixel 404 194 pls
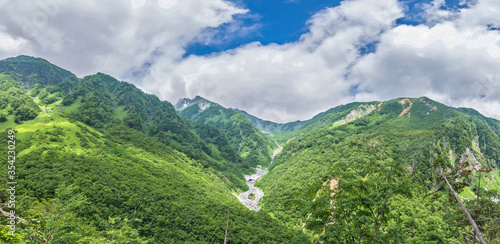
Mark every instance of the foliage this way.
pixel 358 210
pixel 167 180
pixel 36 73
pixel 147 175
pixel 54 220
pixel 14 100
pixel 248 141
pixel 432 131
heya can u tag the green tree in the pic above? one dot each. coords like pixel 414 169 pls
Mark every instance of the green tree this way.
pixel 53 220
pixel 358 210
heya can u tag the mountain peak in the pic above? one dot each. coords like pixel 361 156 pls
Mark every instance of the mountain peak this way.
pixel 25 58
pixel 186 102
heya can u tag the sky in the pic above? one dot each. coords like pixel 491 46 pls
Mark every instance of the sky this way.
pixel 280 60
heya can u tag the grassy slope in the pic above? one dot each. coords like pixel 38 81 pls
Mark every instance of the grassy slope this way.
pixel 490 181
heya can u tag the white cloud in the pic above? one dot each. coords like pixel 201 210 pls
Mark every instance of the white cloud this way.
pixel 434 13
pixel 113 36
pixel 9 44
pixel 282 82
pixel 454 62
pixel 454 58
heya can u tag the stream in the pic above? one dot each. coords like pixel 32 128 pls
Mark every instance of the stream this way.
pixel 253 202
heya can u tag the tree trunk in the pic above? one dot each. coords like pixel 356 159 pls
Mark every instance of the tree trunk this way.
pixel 477 203
pixel 474 226
pixel 227 224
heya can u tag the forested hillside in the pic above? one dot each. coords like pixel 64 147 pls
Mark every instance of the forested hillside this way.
pixel 374 173
pixel 99 161
pixel 284 131
pixel 247 140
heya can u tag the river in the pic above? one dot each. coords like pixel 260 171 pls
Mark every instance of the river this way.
pixel 252 203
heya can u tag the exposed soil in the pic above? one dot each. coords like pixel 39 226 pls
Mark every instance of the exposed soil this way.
pixel 407 109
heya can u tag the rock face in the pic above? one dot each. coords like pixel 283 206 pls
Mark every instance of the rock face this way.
pixel 203 106
pixel 407 108
pixel 355 114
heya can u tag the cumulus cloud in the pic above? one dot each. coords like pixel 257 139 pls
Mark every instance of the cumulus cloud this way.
pixel 453 57
pixel 282 82
pixel 9 44
pixel 117 37
pixel 454 62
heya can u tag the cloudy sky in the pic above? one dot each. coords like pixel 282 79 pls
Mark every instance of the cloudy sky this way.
pixel 281 60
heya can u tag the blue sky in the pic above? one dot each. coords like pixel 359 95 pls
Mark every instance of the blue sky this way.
pixel 277 21
pixel 280 60
pixel 283 21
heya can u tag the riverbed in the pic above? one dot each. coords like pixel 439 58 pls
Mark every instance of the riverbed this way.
pixel 251 198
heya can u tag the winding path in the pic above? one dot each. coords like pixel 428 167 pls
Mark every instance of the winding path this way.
pixel 253 203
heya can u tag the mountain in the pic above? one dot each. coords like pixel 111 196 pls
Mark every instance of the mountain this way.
pixel 364 143
pixel 99 161
pixel 33 74
pixel 247 140
pixel 272 128
pixel 280 131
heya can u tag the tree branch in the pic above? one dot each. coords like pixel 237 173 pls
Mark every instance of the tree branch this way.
pixel 479 234
pixel 227 224
pixel 8 215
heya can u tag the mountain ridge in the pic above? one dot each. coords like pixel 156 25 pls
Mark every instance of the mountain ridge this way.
pixel 249 142
pixel 134 168
pixel 113 164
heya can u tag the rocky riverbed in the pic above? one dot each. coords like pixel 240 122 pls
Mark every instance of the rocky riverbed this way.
pixel 251 198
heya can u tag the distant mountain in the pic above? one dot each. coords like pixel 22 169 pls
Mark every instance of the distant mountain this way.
pixel 186 102
pixel 291 128
pixel 248 141
pixel 272 128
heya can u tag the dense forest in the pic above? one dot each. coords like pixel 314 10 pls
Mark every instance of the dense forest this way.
pixel 99 161
pixel 247 140
pixel 107 163
pixel 379 177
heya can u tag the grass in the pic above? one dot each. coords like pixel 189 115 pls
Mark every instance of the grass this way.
pixel 489 181
pixel 9 123
pixel 73 108
pixel 30 131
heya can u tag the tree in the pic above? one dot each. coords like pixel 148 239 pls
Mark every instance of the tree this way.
pixel 359 208
pixel 52 221
pixel 456 175
pixel 486 214
pixel 3 118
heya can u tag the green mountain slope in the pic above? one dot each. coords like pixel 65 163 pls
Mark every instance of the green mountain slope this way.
pixel 365 139
pixel 106 163
pixel 99 161
pixel 249 142
pixel 282 132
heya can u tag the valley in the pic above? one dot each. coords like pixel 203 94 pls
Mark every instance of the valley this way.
pixel 116 165
pixel 251 198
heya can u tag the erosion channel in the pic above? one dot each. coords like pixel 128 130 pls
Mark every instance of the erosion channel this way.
pixel 251 198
